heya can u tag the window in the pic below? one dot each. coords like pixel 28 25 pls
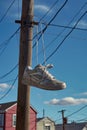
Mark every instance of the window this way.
pixel 1 119
pixel 14 120
pixel 47 127
pixel 1 128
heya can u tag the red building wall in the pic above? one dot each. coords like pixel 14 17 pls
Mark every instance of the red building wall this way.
pixel 32 119
pixel 9 118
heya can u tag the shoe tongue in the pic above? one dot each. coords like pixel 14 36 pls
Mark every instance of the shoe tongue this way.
pixel 49 75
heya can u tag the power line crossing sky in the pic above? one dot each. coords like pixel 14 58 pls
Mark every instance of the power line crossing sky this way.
pixel 62 27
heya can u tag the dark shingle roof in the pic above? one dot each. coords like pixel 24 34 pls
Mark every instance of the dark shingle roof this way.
pixel 5 106
pixel 38 119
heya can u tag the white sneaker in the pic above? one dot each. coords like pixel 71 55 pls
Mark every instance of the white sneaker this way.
pixel 39 77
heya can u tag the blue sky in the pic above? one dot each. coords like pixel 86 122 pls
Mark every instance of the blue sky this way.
pixel 70 62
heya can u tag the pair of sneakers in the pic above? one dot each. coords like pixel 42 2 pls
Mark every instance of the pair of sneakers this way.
pixel 39 77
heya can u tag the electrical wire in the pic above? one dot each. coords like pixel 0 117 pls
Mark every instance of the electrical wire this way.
pixel 17 30
pixel 18 10
pixel 81 120
pixel 9 89
pixel 51 21
pixel 4 44
pixel 59 45
pixel 43 16
pixel 80 10
pixel 63 26
pixel 3 50
pixel 77 111
pixel 7 11
pixel 55 3
pixel 7 81
pixel 6 41
pixel 3 76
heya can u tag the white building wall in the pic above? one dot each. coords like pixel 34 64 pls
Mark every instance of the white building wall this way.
pixel 45 122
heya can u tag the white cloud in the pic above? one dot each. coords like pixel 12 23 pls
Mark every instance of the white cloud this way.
pixel 4 86
pixel 82 24
pixel 52 102
pixel 67 101
pixel 83 94
pixel 42 8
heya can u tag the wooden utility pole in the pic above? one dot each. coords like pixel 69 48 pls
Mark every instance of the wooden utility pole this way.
pixel 25 58
pixel 62 111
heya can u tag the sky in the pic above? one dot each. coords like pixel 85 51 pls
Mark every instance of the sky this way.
pixel 69 60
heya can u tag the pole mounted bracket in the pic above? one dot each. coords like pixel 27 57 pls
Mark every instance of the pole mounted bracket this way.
pixel 24 22
pixel 17 21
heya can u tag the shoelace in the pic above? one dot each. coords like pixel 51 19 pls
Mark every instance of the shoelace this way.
pixel 48 74
pixel 49 66
pixel 45 72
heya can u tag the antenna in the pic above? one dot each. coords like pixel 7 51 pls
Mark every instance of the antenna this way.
pixel 43 113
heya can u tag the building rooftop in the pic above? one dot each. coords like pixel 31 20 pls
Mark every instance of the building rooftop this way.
pixel 4 106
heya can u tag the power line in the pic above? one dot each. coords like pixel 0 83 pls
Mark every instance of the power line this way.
pixel 51 21
pixel 55 3
pixel 4 44
pixel 6 41
pixel 68 24
pixel 3 50
pixel 7 81
pixel 9 72
pixel 45 16
pixel 9 89
pixel 65 37
pixel 77 111
pixel 63 26
pixel 56 13
pixel 18 9
pixel 78 13
pixel 7 11
pixel 81 120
